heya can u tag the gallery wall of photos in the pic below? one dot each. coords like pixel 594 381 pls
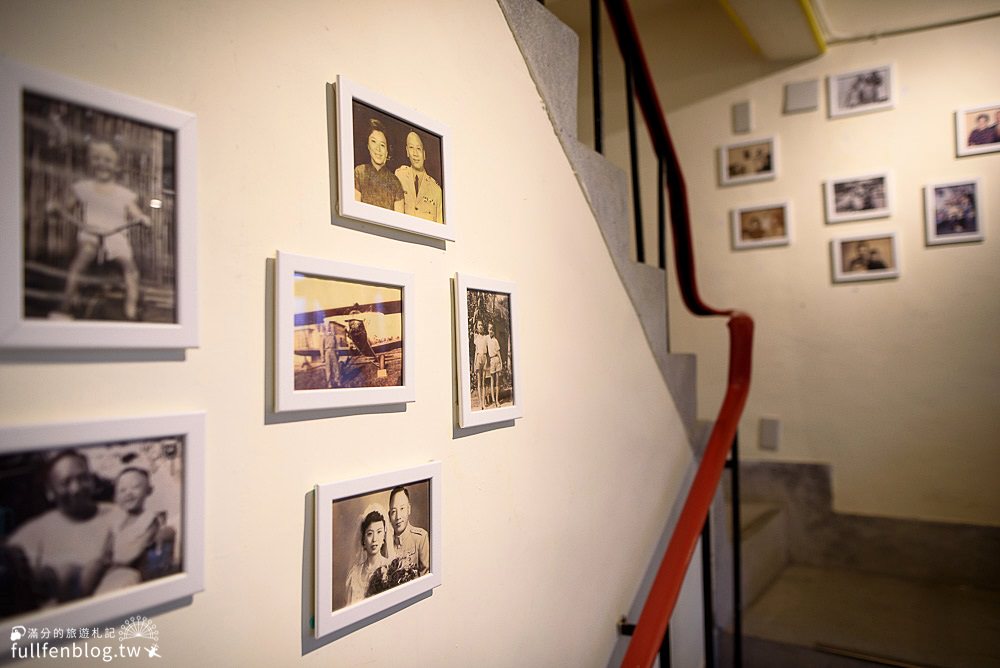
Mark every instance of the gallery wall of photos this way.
pixel 952 210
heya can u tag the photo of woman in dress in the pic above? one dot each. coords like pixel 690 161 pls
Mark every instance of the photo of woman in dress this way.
pixel 372 562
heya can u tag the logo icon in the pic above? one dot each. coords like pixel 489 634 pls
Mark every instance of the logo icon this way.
pixel 16 634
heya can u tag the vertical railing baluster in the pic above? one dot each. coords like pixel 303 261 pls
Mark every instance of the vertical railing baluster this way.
pixel 708 607
pixel 734 476
pixel 595 68
pixel 640 254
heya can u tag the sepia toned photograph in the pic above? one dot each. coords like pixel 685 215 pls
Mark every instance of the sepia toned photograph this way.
pixel 748 162
pixel 977 130
pixel 952 212
pixel 392 163
pixel 99 513
pixel 377 544
pixel 858 198
pixel 761 226
pixel 487 355
pixel 861 91
pixel 100 193
pixel 864 258
pixel 341 335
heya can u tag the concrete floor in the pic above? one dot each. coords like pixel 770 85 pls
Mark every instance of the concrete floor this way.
pixel 895 621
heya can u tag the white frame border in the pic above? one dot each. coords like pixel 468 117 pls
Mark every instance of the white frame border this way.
pixel 930 219
pixel 347 92
pixel 325 494
pixel 286 397
pixel 734 218
pixel 466 416
pixel 962 132
pixel 840 276
pixel 726 180
pixel 116 605
pixel 832 217
pixel 836 111
pixel 19 332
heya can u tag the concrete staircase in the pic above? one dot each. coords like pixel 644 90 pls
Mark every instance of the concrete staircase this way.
pixel 550 50
pixel 827 589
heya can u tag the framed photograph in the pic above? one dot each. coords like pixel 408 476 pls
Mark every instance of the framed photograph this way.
pixel 378 544
pixel 394 163
pixel 342 335
pixel 97 191
pixel 489 376
pixel 858 198
pixel 765 225
pixel 977 130
pixel 748 161
pixel 864 258
pixel 100 519
pixel 861 91
pixel 951 212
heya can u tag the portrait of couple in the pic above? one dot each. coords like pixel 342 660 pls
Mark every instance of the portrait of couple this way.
pixel 381 540
pixel 397 166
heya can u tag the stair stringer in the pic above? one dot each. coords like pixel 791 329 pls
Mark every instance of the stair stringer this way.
pixel 551 49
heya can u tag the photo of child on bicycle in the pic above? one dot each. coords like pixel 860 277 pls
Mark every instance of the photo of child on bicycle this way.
pixel 99 240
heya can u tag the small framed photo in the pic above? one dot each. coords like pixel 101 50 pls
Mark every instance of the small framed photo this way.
pixel 100 519
pixel 394 163
pixel 951 212
pixel 378 544
pixel 861 91
pixel 977 130
pixel 99 203
pixel 858 198
pixel 748 161
pixel 765 225
pixel 342 335
pixel 864 258
pixel 489 377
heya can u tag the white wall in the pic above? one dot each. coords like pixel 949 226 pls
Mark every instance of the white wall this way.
pixel 549 524
pixel 895 383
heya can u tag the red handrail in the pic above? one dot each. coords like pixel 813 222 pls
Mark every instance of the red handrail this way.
pixel 659 606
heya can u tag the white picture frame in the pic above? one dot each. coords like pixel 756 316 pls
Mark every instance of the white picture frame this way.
pixel 863 197
pixel 972 138
pixel 864 258
pixel 862 91
pixel 72 148
pixel 169 449
pixel 368 314
pixel 343 516
pixel 761 226
pixel 952 213
pixel 495 304
pixel 749 161
pixel 426 208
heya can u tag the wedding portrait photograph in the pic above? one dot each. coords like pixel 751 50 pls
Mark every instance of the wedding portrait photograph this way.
pixel 377 543
pixel 105 199
pixel 393 163
pixel 864 258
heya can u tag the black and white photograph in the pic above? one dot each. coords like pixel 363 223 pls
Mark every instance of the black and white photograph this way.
pixel 91 520
pixel 761 226
pixel 393 163
pixel 341 334
pixel 864 258
pixel 748 161
pixel 861 91
pixel 100 192
pixel 858 198
pixel 977 130
pixel 487 353
pixel 377 543
pixel 952 212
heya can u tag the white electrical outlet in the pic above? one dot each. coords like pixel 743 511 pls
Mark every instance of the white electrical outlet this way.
pixel 770 433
